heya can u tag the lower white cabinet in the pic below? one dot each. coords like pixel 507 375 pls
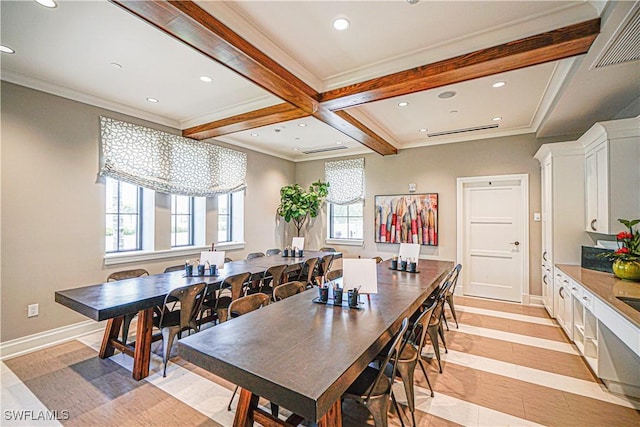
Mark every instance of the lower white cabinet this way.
pixel 585 325
pixel 563 307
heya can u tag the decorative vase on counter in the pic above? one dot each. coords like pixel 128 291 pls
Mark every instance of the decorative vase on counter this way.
pixel 627 270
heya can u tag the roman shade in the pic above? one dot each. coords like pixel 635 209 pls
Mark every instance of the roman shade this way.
pixel 346 181
pixel 168 163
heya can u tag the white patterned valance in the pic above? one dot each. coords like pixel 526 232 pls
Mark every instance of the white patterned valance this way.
pixel 169 163
pixel 346 181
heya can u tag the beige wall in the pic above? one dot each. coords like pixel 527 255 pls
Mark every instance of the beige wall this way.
pixel 52 234
pixel 434 170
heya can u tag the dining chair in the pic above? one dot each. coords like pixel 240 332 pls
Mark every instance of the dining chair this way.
pixel 449 295
pixel 122 275
pixel 324 265
pixel 378 259
pixel 273 251
pixel 334 274
pixel 308 271
pixel 244 305
pixel 327 249
pixel 372 388
pixel 253 255
pixel 271 278
pixel 435 328
pixel 227 259
pixel 287 290
pixel 174 268
pixel 410 356
pixel 174 322
pixel 232 288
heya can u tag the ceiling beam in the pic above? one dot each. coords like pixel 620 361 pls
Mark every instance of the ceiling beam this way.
pixel 245 121
pixel 187 22
pixel 545 47
pixel 550 46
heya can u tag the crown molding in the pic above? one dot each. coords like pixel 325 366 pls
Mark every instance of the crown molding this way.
pixel 65 92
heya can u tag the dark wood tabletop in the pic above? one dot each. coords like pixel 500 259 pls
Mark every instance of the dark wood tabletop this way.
pixel 302 355
pixel 278 259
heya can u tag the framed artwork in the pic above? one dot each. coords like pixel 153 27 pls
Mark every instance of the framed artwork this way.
pixel 407 218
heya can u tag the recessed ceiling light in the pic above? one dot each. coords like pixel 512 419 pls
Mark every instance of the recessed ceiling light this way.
pixel 206 79
pixel 339 142
pixel 47 3
pixel 402 104
pixel 6 49
pixel 341 24
pixel 153 100
pixel 448 94
pixel 424 130
pixel 255 134
pixel 295 149
pixel 116 65
pixel 496 119
pixel 499 84
pixel 302 125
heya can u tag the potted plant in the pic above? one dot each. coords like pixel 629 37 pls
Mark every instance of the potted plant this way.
pixel 298 204
pixel 626 260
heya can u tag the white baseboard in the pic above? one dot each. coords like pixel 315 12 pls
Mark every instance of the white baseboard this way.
pixel 533 300
pixel 30 343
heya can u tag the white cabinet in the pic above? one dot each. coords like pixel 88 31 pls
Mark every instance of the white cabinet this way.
pixel 612 174
pixel 585 324
pixel 562 191
pixel 564 303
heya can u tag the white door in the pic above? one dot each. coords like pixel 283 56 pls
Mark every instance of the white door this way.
pixel 494 237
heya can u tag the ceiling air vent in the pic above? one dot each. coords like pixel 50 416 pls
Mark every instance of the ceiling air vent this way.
pixel 322 150
pixel 473 129
pixel 624 45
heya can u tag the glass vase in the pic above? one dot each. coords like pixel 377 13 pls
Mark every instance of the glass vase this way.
pixel 627 270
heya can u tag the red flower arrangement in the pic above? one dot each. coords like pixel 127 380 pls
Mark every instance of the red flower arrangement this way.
pixel 628 243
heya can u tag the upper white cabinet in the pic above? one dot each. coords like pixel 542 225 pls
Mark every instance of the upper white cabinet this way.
pixel 612 174
pixel 562 191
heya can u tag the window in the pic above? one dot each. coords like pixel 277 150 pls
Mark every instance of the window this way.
pixel 225 224
pixel 345 221
pixel 123 217
pixel 182 221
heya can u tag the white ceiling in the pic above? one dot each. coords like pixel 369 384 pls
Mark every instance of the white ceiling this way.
pixel 69 50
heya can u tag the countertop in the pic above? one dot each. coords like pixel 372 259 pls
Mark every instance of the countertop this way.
pixel 606 287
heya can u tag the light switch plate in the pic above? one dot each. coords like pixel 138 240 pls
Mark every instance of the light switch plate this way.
pixel 536 216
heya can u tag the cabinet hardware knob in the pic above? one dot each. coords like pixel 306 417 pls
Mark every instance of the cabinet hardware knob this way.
pixel 516 243
pixel 593 225
pixel 544 256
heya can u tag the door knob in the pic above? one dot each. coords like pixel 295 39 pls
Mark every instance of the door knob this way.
pixel 515 243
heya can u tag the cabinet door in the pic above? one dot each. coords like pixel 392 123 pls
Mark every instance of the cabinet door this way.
pixel 597 188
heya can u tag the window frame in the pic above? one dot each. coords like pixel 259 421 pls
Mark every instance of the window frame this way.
pixel 228 215
pixel 174 217
pixel 139 214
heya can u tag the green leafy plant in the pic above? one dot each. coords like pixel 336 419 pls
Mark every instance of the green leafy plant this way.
pixel 628 243
pixel 298 204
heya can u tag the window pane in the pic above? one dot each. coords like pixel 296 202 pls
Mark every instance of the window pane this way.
pixel 355 228
pixel 340 210
pixel 183 205
pixel 223 228
pixel 111 233
pixel 356 209
pixel 223 204
pixel 128 198
pixel 183 230
pixel 128 232
pixel 112 196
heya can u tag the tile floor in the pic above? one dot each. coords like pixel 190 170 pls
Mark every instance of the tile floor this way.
pixel 507 364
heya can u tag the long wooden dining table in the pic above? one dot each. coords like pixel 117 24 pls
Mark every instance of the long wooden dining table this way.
pixel 111 301
pixel 302 355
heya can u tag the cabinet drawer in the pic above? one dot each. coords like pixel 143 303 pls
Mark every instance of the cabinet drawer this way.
pixel 587 300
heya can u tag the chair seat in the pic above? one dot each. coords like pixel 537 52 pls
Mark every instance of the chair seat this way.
pixel 361 385
pixel 171 318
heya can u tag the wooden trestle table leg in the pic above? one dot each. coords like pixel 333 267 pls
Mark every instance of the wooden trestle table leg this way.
pixel 142 352
pixel 110 333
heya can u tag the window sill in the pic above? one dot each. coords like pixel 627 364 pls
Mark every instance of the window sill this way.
pixel 139 256
pixel 345 242
pixel 229 246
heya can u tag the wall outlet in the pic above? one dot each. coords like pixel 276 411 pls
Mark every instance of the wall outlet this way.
pixel 536 216
pixel 32 310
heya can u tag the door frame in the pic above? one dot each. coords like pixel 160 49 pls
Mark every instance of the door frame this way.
pixel 523 179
